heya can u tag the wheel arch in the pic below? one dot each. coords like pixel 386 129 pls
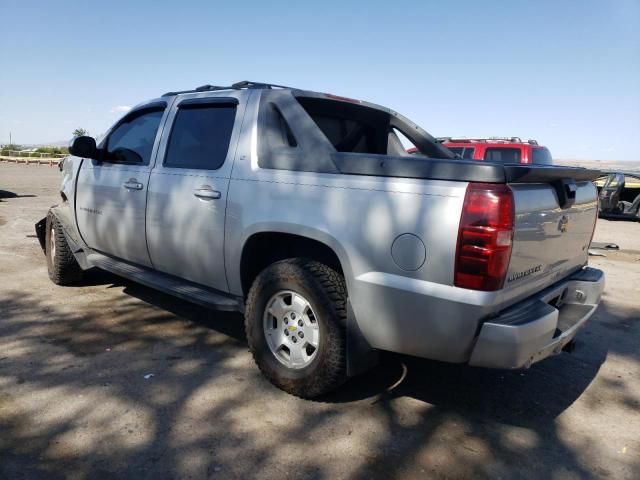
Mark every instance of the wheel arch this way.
pixel 264 246
pixel 258 252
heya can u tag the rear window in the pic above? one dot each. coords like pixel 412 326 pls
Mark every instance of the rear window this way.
pixel 200 136
pixel 502 155
pixel 349 127
pixel 542 156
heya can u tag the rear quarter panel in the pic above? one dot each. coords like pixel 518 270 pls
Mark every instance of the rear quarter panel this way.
pixel 359 217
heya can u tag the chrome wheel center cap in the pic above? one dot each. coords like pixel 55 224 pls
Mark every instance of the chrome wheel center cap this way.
pixel 291 329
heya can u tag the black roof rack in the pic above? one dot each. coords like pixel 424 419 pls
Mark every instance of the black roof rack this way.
pixel 250 84
pixel 485 140
pixel 236 86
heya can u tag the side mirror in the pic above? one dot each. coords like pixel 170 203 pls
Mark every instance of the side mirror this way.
pixel 84 147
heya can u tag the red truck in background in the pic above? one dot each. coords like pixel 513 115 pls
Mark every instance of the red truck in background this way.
pixel 498 150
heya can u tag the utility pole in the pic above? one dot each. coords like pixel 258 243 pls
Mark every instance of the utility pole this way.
pixel 10 139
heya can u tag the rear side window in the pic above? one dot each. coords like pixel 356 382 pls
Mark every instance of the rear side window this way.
pixel 502 155
pixel 468 153
pixel 132 140
pixel 200 136
pixel 464 152
pixel 542 156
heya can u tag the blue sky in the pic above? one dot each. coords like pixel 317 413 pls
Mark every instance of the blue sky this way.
pixel 564 72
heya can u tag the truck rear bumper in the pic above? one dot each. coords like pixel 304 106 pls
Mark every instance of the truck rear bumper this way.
pixel 541 326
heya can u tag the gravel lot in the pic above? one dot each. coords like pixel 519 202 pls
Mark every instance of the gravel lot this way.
pixel 75 402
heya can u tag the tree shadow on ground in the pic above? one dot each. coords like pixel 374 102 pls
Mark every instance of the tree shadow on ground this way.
pixel 7 194
pixel 76 403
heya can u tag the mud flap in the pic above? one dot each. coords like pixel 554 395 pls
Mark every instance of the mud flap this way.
pixel 41 232
pixel 360 356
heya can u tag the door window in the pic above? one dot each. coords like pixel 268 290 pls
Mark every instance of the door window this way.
pixel 132 140
pixel 200 136
pixel 464 152
pixel 468 153
pixel 614 181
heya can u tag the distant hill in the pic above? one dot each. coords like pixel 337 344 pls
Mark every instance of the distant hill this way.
pixel 606 165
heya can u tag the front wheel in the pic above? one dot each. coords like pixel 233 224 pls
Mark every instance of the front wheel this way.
pixel 295 322
pixel 62 266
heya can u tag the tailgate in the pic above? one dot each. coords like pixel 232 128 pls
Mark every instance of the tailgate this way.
pixel 555 214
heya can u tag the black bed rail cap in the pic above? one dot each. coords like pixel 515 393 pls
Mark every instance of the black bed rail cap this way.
pixel 548 173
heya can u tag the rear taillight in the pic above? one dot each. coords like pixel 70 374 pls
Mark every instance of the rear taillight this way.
pixel 485 237
pixel 595 222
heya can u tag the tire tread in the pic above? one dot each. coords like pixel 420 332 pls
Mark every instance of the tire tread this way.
pixel 64 268
pixel 334 293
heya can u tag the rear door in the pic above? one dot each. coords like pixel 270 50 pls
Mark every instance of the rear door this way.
pixel 111 192
pixel 188 188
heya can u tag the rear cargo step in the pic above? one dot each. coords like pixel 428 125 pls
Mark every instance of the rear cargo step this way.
pixel 167 283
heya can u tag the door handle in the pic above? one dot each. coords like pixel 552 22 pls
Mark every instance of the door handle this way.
pixel 205 192
pixel 132 184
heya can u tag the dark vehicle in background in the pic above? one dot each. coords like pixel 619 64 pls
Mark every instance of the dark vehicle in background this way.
pixel 499 150
pixel 619 194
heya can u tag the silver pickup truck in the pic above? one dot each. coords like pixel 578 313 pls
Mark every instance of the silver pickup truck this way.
pixel 304 211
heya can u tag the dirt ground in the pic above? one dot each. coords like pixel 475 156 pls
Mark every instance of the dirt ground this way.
pixel 111 379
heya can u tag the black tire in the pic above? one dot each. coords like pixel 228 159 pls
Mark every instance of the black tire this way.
pixel 326 292
pixel 61 264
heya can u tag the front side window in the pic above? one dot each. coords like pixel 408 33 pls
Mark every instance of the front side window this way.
pixel 132 140
pixel 200 136
pixel 502 155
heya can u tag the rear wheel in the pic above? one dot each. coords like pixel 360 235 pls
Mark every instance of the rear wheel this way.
pixel 295 323
pixel 61 264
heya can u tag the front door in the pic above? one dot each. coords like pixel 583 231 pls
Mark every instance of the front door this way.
pixel 610 193
pixel 188 189
pixel 111 192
